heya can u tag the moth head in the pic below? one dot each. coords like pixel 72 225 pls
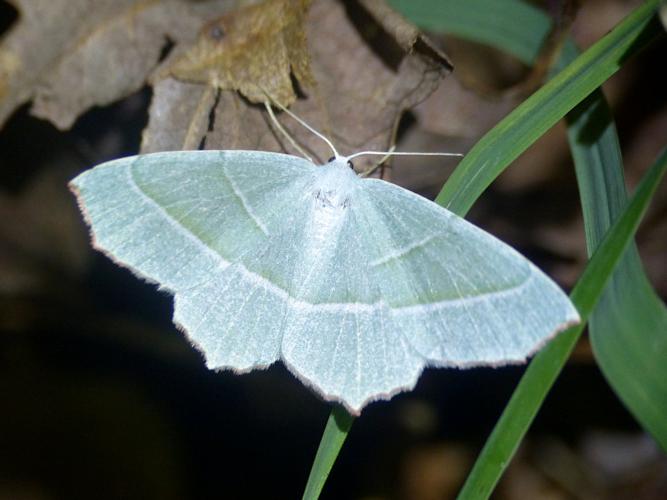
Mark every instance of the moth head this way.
pixel 336 182
pixel 348 161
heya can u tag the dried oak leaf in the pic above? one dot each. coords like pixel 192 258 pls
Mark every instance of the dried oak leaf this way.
pixel 471 102
pixel 257 47
pixel 454 110
pixel 368 63
pixel 69 55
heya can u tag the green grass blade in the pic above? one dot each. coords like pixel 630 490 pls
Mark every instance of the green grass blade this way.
pixel 628 330
pixel 511 25
pixel 482 167
pixel 545 367
pixel 623 323
pixel 338 426
pixel 629 338
pixel 532 118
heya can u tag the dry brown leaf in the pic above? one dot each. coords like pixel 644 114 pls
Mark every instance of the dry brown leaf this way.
pixel 456 111
pixel 69 55
pixel 180 114
pixel 489 83
pixel 369 65
pixel 257 47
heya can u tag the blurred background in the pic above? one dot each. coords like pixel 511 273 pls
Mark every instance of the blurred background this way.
pixel 101 397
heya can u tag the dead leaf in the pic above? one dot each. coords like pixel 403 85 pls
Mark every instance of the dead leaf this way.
pixel 257 47
pixel 369 65
pixel 478 96
pixel 454 110
pixel 69 55
pixel 179 113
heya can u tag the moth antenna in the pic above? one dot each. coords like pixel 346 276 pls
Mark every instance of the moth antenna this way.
pixel 377 165
pixel 401 153
pixel 286 133
pixel 303 123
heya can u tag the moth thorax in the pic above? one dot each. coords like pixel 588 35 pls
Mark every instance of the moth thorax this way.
pixel 335 183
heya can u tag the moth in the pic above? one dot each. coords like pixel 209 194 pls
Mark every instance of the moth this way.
pixel 354 283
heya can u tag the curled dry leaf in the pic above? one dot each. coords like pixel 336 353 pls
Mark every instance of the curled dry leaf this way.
pixel 254 48
pixel 368 64
pixel 69 55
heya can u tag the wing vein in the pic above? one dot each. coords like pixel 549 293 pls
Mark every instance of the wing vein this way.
pixel 401 252
pixel 244 203
pixel 170 219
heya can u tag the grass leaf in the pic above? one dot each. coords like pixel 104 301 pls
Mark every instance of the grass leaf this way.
pixel 628 330
pixel 338 426
pixel 537 114
pixel 496 150
pixel 545 367
pixel 512 26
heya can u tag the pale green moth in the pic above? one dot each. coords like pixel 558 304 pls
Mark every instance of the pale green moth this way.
pixel 356 284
